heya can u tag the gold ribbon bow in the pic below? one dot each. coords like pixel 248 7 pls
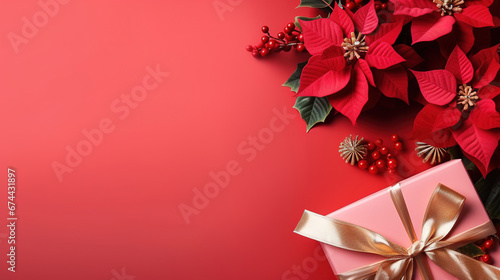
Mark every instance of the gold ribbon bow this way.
pixel 442 213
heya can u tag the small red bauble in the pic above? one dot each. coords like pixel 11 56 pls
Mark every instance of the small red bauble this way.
pixel 371 146
pixel 373 169
pixel 383 150
pixel 264 39
pixel 394 138
pixel 351 5
pixel 264 52
pixel 380 163
pixel 392 163
pixel 363 164
pixel 379 142
pixel 265 29
pixel 488 244
pixel 376 155
pixel 398 146
pixel 486 258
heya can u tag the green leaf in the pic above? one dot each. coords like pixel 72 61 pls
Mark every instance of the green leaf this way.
pixel 456 153
pixel 294 81
pixel 304 19
pixel 471 250
pixel 489 191
pixel 314 3
pixel 313 109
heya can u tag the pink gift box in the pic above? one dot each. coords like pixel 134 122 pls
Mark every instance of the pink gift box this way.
pixel 377 212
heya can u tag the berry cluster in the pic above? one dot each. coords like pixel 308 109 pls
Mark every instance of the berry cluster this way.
pixel 284 41
pixel 380 157
pixel 486 245
pixel 356 4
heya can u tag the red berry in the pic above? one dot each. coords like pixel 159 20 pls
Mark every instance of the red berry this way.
pixel 351 5
pixel 291 26
pixel 273 45
pixel 376 155
pixel 377 7
pixel 255 53
pixel 260 45
pixel 264 39
pixel 264 52
pixel 373 169
pixel 394 138
pixel 392 163
pixel 391 171
pixel 398 146
pixel 265 29
pixel 380 163
pixel 383 150
pixel 486 258
pixel 358 2
pixel 383 6
pixel 281 35
pixel 300 37
pixel 287 48
pixel 287 30
pixel 389 155
pixel 488 244
pixel 363 164
pixel 300 47
pixel 371 146
pixel 379 142
pixel 250 48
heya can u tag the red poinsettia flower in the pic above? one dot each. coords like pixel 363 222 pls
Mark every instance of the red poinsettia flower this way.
pixel 461 107
pixel 435 18
pixel 348 56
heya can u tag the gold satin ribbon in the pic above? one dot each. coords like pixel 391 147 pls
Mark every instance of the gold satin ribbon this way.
pixel 442 213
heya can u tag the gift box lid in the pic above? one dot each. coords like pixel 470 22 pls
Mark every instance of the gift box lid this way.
pixel 377 212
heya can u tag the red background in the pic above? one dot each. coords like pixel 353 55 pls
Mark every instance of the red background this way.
pixel 119 207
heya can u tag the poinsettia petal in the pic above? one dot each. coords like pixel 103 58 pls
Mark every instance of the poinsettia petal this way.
pixel 365 19
pixel 485 55
pixel 460 66
pixel 485 3
pixel 423 124
pixel 476 16
pixel 438 87
pixel 350 101
pixel 414 8
pixel 480 166
pixel 363 65
pixel 393 82
pixel 485 73
pixel 485 116
pixel 320 34
pixel 488 92
pixel 447 118
pixel 409 54
pixel 340 17
pixel 324 75
pixel 386 32
pixel 478 143
pixel 430 27
pixel 381 55
pixel 461 35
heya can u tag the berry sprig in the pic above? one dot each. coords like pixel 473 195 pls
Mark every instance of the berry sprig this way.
pixel 356 4
pixel 486 245
pixel 285 40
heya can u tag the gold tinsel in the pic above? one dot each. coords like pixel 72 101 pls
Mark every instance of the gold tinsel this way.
pixel 352 151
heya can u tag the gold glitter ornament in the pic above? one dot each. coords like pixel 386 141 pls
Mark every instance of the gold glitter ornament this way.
pixel 351 150
pixel 429 152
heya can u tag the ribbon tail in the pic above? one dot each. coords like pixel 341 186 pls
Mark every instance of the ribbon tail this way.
pixel 462 266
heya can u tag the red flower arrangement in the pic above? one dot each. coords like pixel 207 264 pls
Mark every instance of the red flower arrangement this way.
pixel 364 49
